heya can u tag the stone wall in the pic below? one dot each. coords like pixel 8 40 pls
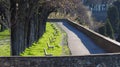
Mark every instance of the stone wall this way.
pixel 108 44
pixel 65 61
pixel 102 41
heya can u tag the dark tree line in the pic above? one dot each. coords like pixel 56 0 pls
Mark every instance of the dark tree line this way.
pixel 117 4
pixel 26 20
pixel 3 16
pixel 98 1
pixel 113 22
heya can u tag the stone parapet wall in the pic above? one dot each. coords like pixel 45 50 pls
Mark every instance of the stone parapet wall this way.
pixel 109 60
pixel 102 41
pixel 106 43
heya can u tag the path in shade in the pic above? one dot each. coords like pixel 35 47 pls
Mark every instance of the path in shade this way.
pixel 78 42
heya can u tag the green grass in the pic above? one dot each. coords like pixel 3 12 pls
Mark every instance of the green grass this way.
pixel 4 34
pixel 4 44
pixel 4 50
pixel 65 48
pixel 37 48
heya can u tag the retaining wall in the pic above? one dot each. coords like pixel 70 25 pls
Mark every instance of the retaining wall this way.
pixel 104 42
pixel 65 61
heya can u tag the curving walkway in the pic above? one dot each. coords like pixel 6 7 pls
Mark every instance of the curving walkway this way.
pixel 78 42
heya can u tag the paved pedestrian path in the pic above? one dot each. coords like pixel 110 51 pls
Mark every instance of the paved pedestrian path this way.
pixel 78 42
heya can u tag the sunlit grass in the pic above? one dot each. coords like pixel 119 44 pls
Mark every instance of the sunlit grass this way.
pixel 4 50
pixel 4 34
pixel 4 43
pixel 37 49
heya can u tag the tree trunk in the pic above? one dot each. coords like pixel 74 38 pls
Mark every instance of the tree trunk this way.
pixel 14 39
pixel 26 27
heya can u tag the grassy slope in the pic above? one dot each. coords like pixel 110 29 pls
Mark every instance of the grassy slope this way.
pixel 37 48
pixel 65 48
pixel 4 50
pixel 4 44
pixel 4 34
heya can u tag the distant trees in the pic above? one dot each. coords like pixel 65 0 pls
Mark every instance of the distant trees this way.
pixel 102 30
pixel 2 28
pixel 112 25
pixel 113 16
pixel 87 2
pixel 107 30
pixel 118 38
pixel 117 5
pixel 3 20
